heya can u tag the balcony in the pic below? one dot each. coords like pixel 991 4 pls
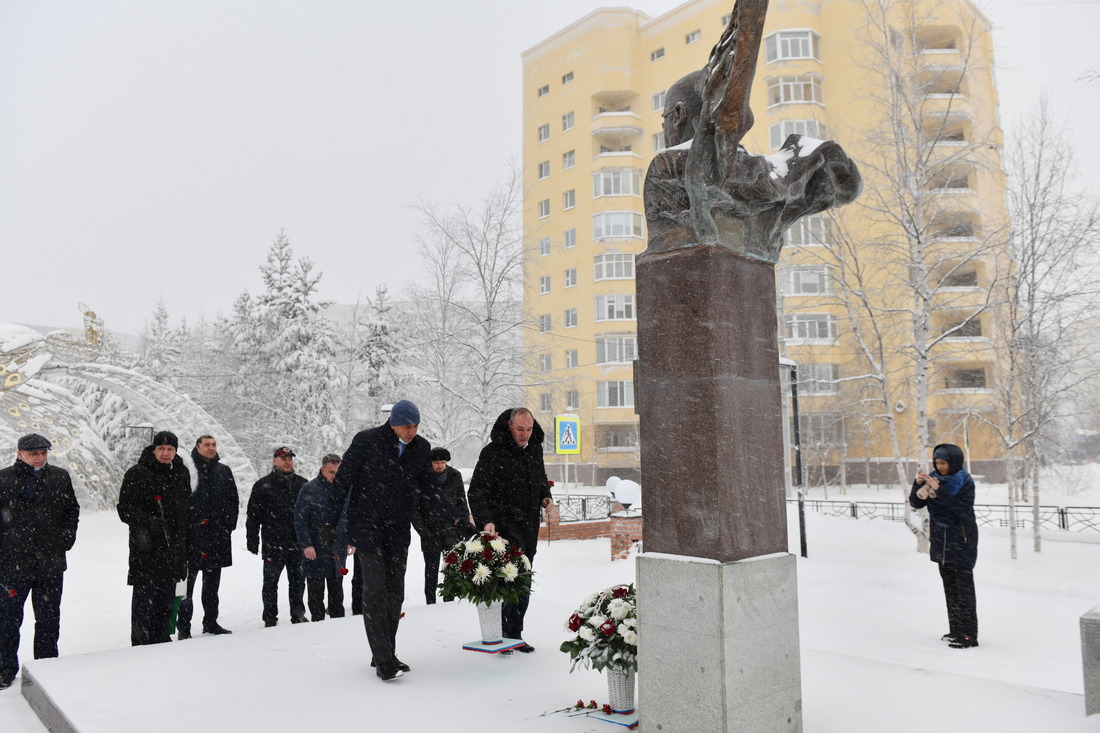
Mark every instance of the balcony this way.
pixel 614 128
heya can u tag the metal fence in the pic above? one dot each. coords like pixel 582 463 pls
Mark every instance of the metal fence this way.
pixel 1070 518
pixel 583 507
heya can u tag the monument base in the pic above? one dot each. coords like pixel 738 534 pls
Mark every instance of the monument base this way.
pixel 496 648
pixel 718 644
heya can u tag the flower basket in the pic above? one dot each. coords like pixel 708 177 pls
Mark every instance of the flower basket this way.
pixel 492 625
pixel 605 629
pixel 620 690
pixel 485 569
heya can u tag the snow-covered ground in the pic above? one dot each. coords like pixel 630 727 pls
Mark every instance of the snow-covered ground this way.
pixel 871 612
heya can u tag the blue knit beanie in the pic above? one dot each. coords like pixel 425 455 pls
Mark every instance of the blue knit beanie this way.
pixel 404 412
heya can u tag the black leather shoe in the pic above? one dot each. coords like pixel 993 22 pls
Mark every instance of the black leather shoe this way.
pixel 183 634
pixel 400 665
pixel 268 623
pixel 5 684
pixel 388 672
pixel 525 648
pixel 299 620
pixel 215 629
pixel 963 642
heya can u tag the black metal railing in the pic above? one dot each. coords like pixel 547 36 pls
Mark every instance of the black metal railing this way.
pixel 583 507
pixel 1070 518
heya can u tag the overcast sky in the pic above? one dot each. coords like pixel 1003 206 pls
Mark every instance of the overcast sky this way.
pixel 151 149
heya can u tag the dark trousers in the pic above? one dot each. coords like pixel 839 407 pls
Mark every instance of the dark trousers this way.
pixel 431 575
pixel 150 612
pixel 511 617
pixel 316 589
pixel 45 596
pixel 273 570
pixel 962 603
pixel 356 587
pixel 383 592
pixel 211 581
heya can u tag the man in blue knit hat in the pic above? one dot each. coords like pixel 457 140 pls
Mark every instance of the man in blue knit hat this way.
pixel 380 474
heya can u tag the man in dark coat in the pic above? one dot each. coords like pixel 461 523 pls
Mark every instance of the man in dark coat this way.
pixel 948 492
pixel 380 474
pixel 155 501
pixel 38 518
pixel 214 509
pixel 438 536
pixel 507 493
pixel 271 507
pixel 315 524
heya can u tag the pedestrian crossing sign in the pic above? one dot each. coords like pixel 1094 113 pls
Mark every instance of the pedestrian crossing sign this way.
pixel 567 429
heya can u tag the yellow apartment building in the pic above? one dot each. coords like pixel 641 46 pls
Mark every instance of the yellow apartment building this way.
pixel 891 307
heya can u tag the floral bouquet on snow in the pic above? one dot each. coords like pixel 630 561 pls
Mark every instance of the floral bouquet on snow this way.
pixel 606 631
pixel 485 569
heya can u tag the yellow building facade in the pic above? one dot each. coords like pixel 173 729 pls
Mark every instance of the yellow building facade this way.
pixel 892 307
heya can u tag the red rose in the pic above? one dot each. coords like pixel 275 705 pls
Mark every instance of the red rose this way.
pixel 205 522
pixel 606 709
pixel 467 566
pixel 580 704
pixel 619 592
pixel 342 571
pixel 486 554
pixel 549 483
pixel 157 497
pixel 12 593
pixel 608 627
pixel 592 704
pixel 575 622
pixel 451 558
pixel 205 555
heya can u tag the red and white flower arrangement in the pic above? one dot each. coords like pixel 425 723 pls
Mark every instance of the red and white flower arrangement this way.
pixel 606 630
pixel 486 568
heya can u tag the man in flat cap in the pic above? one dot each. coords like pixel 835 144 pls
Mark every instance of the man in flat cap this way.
pixel 271 509
pixel 38 518
pixel 155 502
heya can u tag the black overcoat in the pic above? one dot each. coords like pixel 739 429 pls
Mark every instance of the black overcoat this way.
pixel 37 521
pixel 271 507
pixel 436 534
pixel 509 485
pixel 155 501
pixel 215 506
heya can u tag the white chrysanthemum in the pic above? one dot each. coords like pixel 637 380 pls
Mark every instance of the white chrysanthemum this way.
pixel 481 574
pixel 510 571
pixel 472 548
pixel 526 562
pixel 630 636
pixel 498 544
pixel 630 622
pixel 620 610
pixel 586 633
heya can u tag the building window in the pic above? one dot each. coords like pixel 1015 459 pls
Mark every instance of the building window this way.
pixel 567 121
pixel 809 231
pixel 569 238
pixel 807 280
pixel 544 208
pixel 572 359
pixel 569 199
pixel 617 182
pixel 544 323
pixel 778 133
pixel 572 400
pixel 658 101
pixel 546 403
pixel 544 90
pixel 963 329
pixel 546 363
pixel 615 394
pixel 614 307
pixel 614 267
pixel 544 246
pixel 567 77
pixel 544 133
pixel 617 224
pixel 960 279
pixel 792 45
pixel 658 141
pixel 544 169
pixel 811 327
pixel 965 378
pixel 818 379
pixel 570 278
pixel 544 284
pixel 616 349
pixel 692 37
pixel 568 160
pixel 570 317
pixel 656 53
pixel 821 429
pixel 613 438
pixel 794 89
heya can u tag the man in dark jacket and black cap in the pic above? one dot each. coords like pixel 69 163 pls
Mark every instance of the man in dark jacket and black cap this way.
pixel 437 535
pixel 38 518
pixel 380 475
pixel 271 507
pixel 507 493
pixel 214 509
pixel 155 501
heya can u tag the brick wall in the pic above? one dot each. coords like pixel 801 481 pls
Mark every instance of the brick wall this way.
pixel 623 531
